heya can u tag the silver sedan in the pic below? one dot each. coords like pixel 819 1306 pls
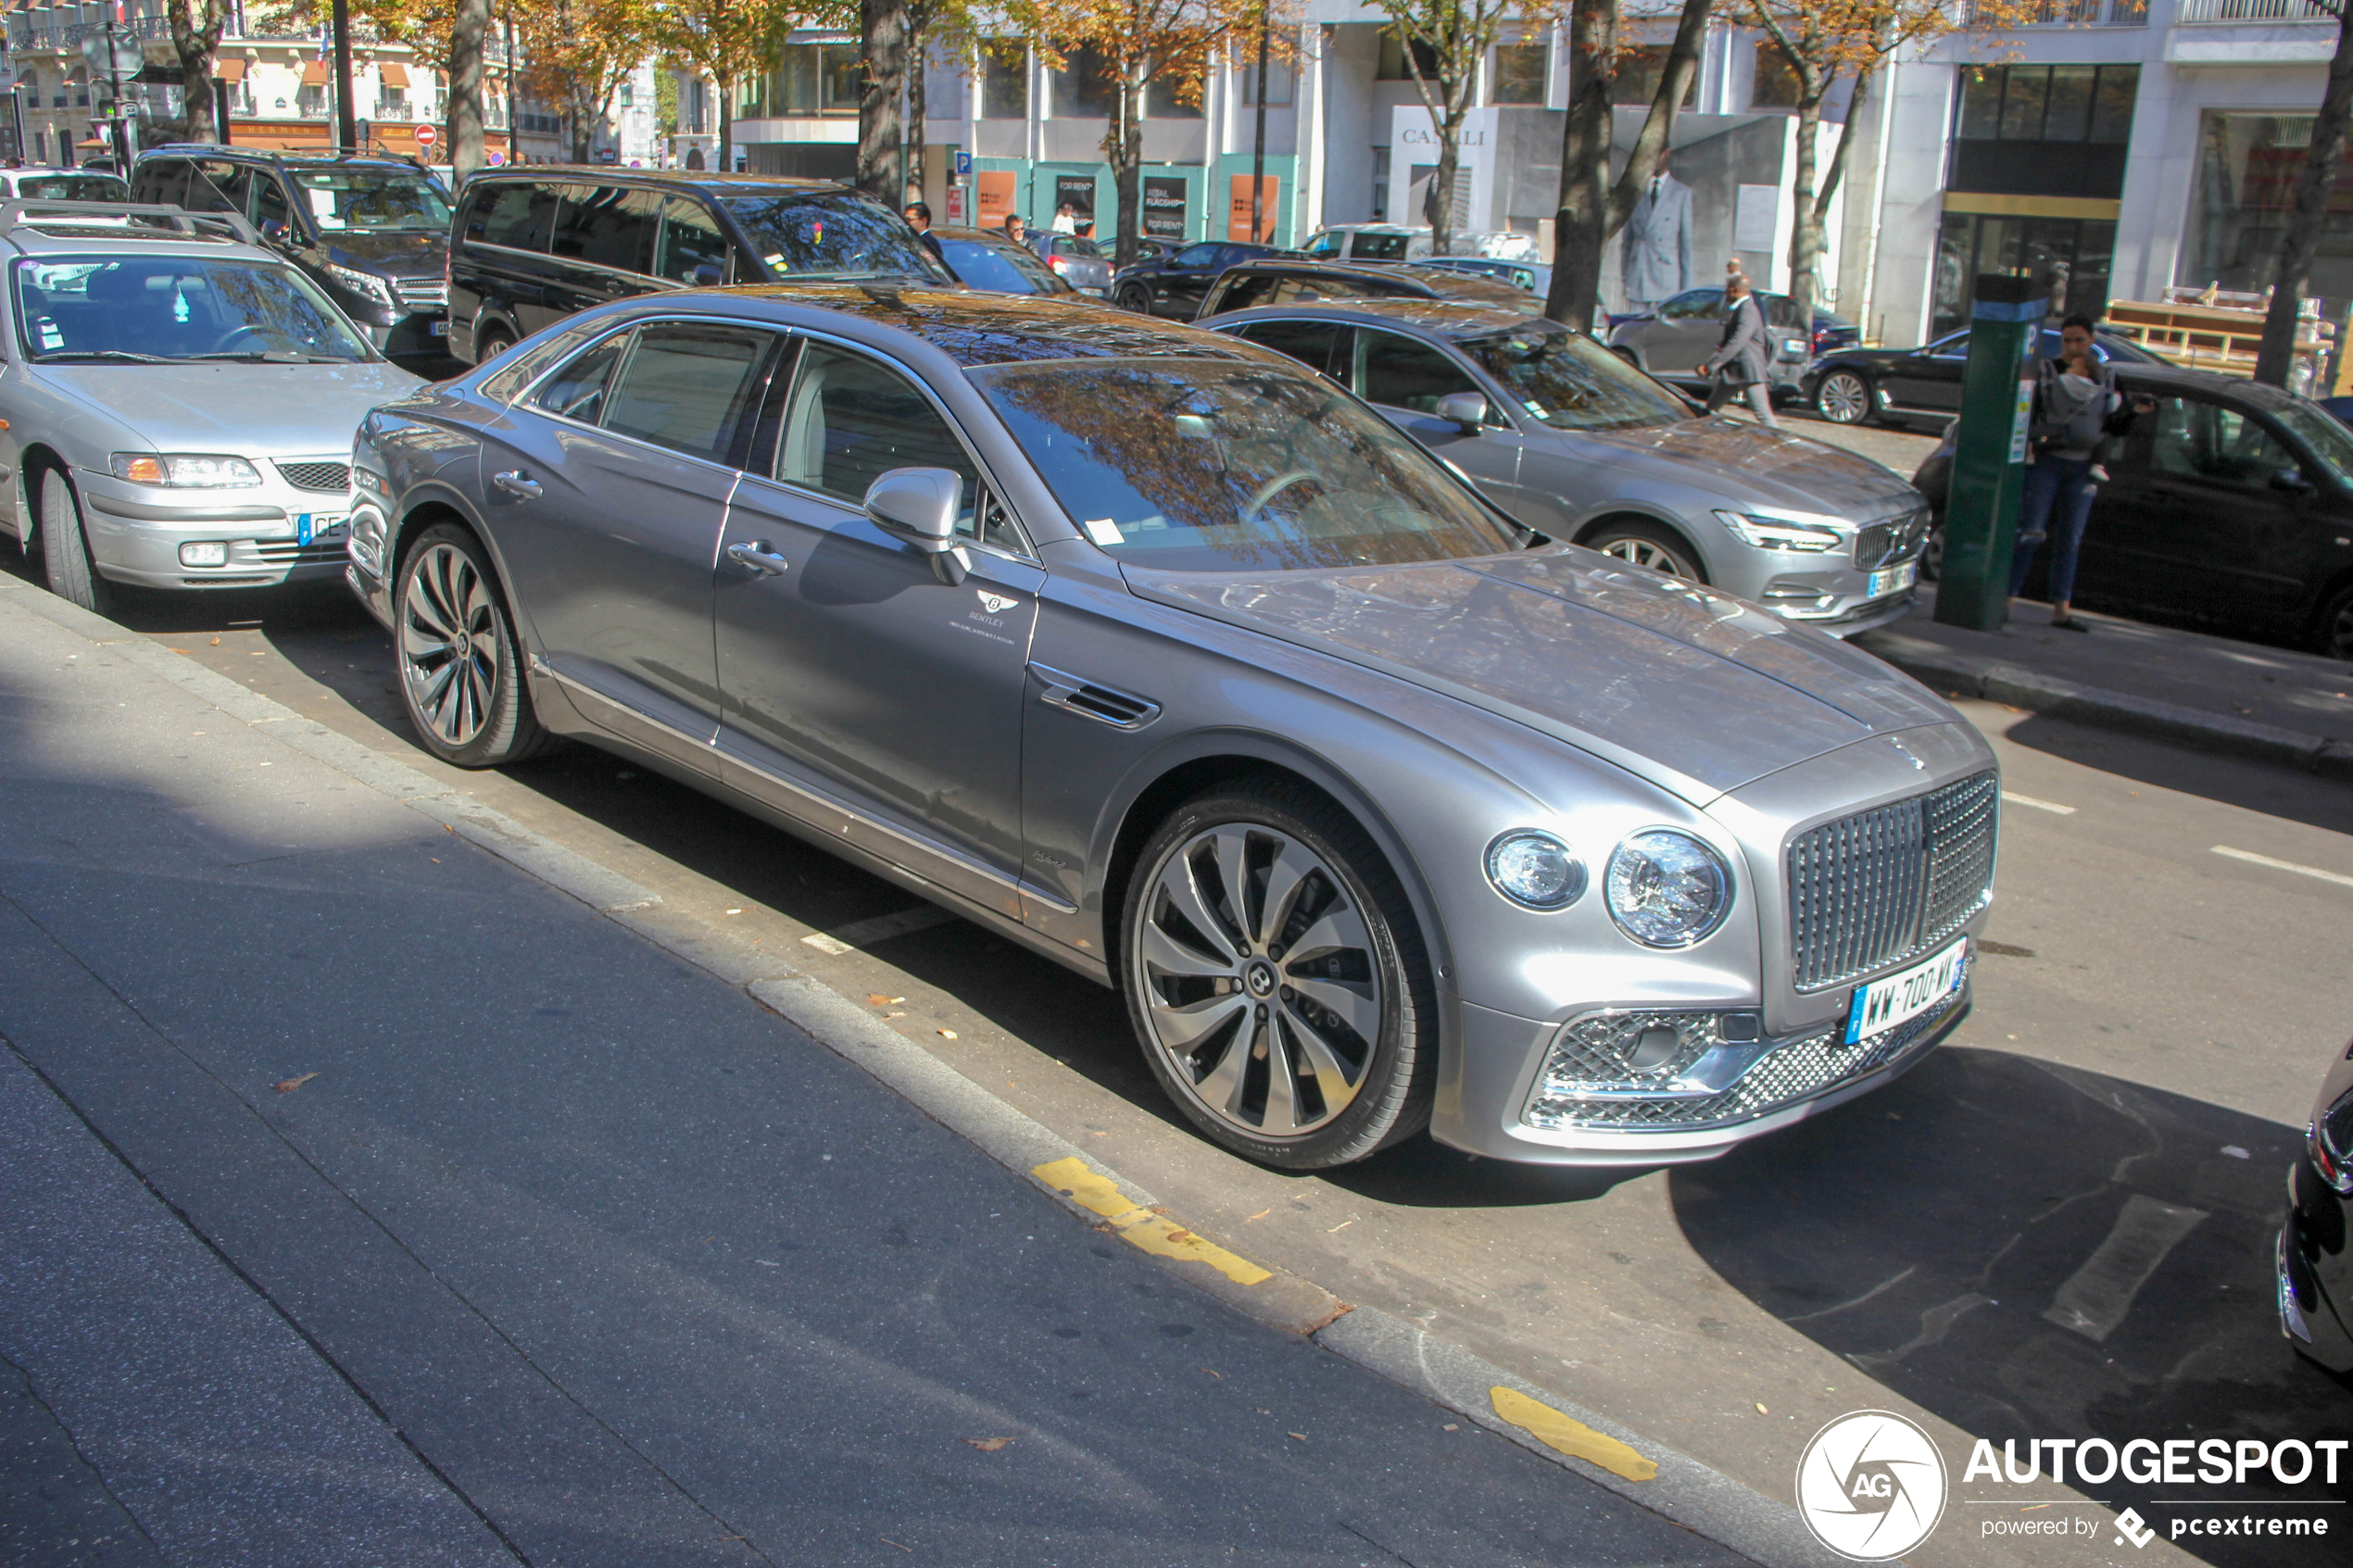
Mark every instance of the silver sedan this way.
pixel 1570 440
pixel 1179 665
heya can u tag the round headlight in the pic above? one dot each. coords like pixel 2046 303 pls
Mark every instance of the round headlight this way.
pixel 1667 889
pixel 1535 869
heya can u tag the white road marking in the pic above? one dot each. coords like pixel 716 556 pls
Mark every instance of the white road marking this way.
pixel 2254 859
pixel 882 928
pixel 2038 805
pixel 2095 1298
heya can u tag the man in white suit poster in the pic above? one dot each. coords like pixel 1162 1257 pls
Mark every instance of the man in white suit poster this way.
pixel 1656 265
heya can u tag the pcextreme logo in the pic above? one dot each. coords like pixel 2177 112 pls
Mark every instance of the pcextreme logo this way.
pixel 1871 1486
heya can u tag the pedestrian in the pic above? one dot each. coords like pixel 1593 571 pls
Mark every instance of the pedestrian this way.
pixel 1016 227
pixel 1066 219
pixel 1738 365
pixel 2076 407
pixel 919 218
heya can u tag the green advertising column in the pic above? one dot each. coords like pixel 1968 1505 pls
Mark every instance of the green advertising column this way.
pixel 1989 452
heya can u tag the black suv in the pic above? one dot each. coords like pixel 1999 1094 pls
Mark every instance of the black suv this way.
pixel 1278 281
pixel 1173 285
pixel 372 230
pixel 532 245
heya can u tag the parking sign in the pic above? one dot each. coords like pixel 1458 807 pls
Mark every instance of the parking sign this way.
pixel 963 164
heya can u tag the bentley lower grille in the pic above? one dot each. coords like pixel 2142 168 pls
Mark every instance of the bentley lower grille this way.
pixel 1882 885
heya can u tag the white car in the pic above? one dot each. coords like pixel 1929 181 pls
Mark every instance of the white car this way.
pixel 1401 242
pixel 63 186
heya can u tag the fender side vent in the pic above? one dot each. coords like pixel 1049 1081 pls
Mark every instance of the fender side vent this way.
pixel 1075 695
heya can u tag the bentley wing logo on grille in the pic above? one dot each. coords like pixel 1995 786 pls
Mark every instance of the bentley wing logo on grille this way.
pixel 994 603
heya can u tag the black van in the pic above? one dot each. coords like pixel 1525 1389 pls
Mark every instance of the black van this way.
pixel 532 245
pixel 372 230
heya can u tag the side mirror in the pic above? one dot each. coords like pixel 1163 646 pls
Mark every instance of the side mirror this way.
pixel 273 228
pixel 918 507
pixel 1467 411
pixel 708 276
pixel 2291 480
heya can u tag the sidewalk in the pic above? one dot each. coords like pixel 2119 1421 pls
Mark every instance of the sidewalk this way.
pixel 2251 699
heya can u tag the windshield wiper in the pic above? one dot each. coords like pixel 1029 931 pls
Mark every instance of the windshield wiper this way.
pixel 119 356
pixel 273 356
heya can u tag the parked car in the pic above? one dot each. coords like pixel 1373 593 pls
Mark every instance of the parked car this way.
pixel 63 184
pixel 1856 386
pixel 1279 280
pixel 2315 1294
pixel 1530 277
pixel 176 403
pixel 1568 438
pixel 1405 241
pixel 1173 284
pixel 1080 263
pixel 1159 655
pixel 1685 330
pixel 2231 506
pixel 373 231
pixel 986 259
pixel 533 246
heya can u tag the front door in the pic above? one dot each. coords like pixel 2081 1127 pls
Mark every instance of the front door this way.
pixel 848 667
pixel 1685 335
pixel 1404 377
pixel 606 497
pixel 1929 378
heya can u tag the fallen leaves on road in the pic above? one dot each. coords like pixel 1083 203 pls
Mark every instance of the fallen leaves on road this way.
pixel 988 1445
pixel 215 642
pixel 876 999
pixel 288 1085
pixel 947 1034
pixel 1215 1373
pixel 888 1541
pixel 1342 1226
pixel 1302 1436
pixel 1761 1411
pixel 1260 1215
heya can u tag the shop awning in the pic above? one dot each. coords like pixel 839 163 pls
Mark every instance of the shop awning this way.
pixel 314 74
pixel 392 74
pixel 229 70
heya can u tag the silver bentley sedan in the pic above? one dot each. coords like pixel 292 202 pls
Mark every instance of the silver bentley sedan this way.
pixel 1174 662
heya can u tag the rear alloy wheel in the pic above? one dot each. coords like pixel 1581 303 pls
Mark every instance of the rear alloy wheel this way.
pixel 1845 398
pixel 490 343
pixel 460 678
pixel 64 549
pixel 2336 625
pixel 1136 298
pixel 1276 979
pixel 1646 544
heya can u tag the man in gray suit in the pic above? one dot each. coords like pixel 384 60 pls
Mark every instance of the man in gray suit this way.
pixel 1738 365
pixel 1655 264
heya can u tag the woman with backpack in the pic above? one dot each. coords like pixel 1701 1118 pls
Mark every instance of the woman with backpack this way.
pixel 2076 407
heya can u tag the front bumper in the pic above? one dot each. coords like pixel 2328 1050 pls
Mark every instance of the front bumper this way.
pixel 2310 1251
pixel 422 334
pixel 135 534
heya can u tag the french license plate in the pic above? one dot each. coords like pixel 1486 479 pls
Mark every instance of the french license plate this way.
pixel 1894 580
pixel 1883 1004
pixel 324 528
pixel 436 329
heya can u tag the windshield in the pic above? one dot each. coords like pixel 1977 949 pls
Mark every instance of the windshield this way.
pixel 803 236
pixel 146 308
pixel 1198 466
pixel 1571 383
pixel 1381 247
pixel 983 266
pixel 2323 435
pixel 74 187
pixel 372 198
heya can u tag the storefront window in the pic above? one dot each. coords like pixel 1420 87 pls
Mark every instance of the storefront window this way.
pixel 1005 89
pixel 1519 73
pixel 2068 257
pixel 2246 170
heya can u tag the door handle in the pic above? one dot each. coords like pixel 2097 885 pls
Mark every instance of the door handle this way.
pixel 514 484
pixel 758 556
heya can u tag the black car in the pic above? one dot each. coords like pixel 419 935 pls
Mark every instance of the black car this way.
pixel 2315 1267
pixel 1671 342
pixel 1174 285
pixel 370 229
pixel 1859 386
pixel 986 259
pixel 2231 505
pixel 1292 281
pixel 533 246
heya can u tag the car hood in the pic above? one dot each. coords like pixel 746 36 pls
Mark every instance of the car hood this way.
pixel 1747 464
pixel 1691 689
pixel 396 254
pixel 264 410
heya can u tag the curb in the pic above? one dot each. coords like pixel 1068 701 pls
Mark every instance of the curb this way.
pixel 1968 675
pixel 1704 1500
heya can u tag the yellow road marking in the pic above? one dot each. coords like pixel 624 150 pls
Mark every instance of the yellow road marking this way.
pixel 1140 1226
pixel 1574 1438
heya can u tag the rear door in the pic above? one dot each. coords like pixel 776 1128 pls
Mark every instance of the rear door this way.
pixel 1928 377
pixel 602 246
pixel 1190 273
pixel 504 234
pixel 1687 330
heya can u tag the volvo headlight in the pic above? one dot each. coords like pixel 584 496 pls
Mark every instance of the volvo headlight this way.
pixel 1535 869
pixel 1779 534
pixel 1667 889
pixel 367 285
pixel 190 469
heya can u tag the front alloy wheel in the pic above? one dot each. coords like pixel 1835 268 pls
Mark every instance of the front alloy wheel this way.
pixel 2336 626
pixel 1845 398
pixel 1647 545
pixel 1264 973
pixel 458 678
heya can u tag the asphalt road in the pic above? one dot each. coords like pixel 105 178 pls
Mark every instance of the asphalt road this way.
pixel 2153 1020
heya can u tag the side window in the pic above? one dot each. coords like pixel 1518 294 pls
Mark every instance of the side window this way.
pixel 161 180
pixel 689 386
pixel 1694 305
pixel 518 215
pixel 1404 373
pixel 851 420
pixel 691 239
pixel 1243 293
pixel 1953 348
pixel 1327 246
pixel 2219 444
pixel 1310 342
pixel 1303 291
pixel 212 188
pixel 1201 256
pixel 577 392
pixel 607 226
pixel 270 204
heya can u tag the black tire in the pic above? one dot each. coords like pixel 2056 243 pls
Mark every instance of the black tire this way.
pixel 1932 552
pixel 2335 629
pixel 491 342
pixel 1350 890
pixel 1136 298
pixel 1626 354
pixel 64 549
pixel 469 708
pixel 1846 397
pixel 1647 544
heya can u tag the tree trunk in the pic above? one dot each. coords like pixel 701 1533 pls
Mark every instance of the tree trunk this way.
pixel 1806 230
pixel 1258 230
pixel 727 85
pixel 196 35
pixel 1123 149
pixel 884 23
pixel 469 26
pixel 2301 238
pixel 918 108
pixel 1582 226
pixel 1438 205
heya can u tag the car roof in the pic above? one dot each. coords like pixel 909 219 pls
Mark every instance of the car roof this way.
pixel 1313 266
pixel 972 327
pixel 966 231
pixel 711 181
pixel 1454 319
pixel 2180 377
pixel 271 154
pixel 62 235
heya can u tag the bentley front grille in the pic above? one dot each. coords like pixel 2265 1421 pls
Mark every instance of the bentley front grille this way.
pixel 1882 885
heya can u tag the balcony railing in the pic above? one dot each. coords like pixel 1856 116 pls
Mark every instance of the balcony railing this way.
pixel 2230 11
pixel 25 35
pixel 2096 13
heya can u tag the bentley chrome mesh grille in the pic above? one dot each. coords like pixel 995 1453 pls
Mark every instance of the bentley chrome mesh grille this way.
pixel 1879 886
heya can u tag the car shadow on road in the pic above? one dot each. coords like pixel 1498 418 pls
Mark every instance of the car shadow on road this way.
pixel 2272 789
pixel 2034 1251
